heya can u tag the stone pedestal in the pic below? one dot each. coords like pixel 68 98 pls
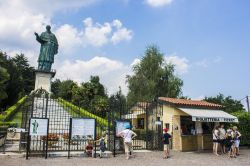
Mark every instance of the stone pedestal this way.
pixel 43 80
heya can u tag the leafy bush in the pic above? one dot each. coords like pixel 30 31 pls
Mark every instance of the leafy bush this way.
pixel 11 110
pixel 243 126
pixel 68 106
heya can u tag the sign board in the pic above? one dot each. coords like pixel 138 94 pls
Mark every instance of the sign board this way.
pixel 83 128
pixel 206 119
pixel 120 126
pixel 38 126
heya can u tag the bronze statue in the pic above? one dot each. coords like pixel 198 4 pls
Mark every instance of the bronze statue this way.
pixel 49 47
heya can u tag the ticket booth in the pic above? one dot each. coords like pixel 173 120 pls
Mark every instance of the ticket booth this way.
pixel 191 122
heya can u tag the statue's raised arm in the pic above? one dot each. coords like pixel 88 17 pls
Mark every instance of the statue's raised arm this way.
pixel 49 47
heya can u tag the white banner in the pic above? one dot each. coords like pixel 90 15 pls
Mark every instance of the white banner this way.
pixel 83 128
pixel 120 126
pixel 214 119
pixel 38 127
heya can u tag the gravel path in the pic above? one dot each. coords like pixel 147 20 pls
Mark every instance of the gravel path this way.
pixel 141 159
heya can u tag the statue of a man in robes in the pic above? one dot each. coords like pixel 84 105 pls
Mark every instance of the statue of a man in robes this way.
pixel 49 47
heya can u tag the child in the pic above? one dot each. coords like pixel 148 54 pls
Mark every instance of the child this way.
pixel 102 143
pixel 166 141
pixel 89 149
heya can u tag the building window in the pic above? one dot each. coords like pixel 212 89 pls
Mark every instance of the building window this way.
pixel 140 123
pixel 167 125
pixel 187 125
pixel 207 127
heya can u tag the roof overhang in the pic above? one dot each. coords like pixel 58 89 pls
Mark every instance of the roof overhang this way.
pixel 208 115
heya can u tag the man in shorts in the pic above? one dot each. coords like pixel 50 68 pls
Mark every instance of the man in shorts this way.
pixel 127 136
pixel 166 140
pixel 222 137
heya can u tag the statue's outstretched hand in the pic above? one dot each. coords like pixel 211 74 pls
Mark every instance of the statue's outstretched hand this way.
pixel 36 34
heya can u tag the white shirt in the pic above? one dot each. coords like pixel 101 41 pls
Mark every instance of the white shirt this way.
pixel 216 135
pixel 222 134
pixel 127 135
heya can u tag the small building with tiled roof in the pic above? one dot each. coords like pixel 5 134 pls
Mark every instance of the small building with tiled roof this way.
pixel 191 122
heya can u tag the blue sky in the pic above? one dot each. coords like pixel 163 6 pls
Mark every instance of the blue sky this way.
pixel 208 40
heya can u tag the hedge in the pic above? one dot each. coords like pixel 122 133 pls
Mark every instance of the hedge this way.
pixel 83 112
pixel 11 110
pixel 243 126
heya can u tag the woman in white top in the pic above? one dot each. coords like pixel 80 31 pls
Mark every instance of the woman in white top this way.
pixel 215 140
pixel 127 136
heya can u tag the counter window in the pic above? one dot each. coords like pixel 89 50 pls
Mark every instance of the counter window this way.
pixel 207 127
pixel 187 125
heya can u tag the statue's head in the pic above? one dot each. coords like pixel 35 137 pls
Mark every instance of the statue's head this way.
pixel 48 28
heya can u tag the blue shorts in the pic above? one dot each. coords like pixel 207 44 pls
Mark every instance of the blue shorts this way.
pixel 237 143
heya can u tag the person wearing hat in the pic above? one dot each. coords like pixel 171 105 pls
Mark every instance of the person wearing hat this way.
pixel 127 136
pixel 166 140
pixel 237 140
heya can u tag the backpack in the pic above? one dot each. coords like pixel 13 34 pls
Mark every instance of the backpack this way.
pixel 102 145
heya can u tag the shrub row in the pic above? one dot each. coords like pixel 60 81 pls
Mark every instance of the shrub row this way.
pixel 11 111
pixel 68 106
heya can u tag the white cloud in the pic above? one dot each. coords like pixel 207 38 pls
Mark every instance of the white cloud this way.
pixel 158 3
pixel 96 35
pixel 105 68
pixel 68 38
pixel 100 34
pixel 181 64
pixel 121 34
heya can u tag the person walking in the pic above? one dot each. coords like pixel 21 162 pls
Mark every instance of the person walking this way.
pixel 237 140
pixel 222 137
pixel 128 136
pixel 166 140
pixel 215 140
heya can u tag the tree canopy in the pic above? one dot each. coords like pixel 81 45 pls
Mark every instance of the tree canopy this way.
pixel 230 105
pixel 153 78
pixel 17 78
pixel 89 95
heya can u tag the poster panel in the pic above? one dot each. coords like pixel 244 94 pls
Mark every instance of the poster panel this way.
pixel 38 126
pixel 120 126
pixel 83 128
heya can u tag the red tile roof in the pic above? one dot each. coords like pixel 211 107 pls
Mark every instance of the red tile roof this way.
pixel 198 103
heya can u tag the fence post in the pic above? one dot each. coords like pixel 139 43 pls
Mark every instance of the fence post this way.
pixel 147 126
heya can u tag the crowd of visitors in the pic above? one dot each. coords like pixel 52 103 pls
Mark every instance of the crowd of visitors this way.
pixel 227 140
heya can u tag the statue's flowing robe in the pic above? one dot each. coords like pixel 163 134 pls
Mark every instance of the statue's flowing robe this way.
pixel 49 47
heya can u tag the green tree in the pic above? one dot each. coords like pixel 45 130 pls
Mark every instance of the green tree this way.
pixel 4 77
pixel 153 78
pixel 66 89
pixel 230 105
pixel 27 73
pixel 13 87
pixel 117 102
pixel 91 96
pixel 55 87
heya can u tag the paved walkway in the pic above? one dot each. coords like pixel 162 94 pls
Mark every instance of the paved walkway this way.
pixel 141 159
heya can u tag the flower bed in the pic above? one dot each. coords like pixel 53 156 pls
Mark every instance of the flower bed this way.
pixel 52 139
